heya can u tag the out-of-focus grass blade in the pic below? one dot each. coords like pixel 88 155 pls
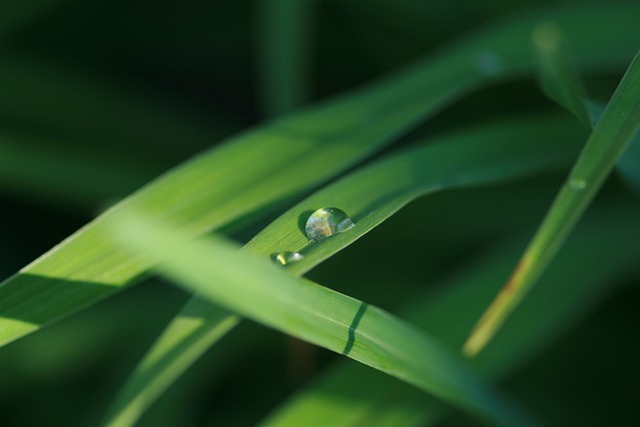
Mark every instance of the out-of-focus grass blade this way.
pixel 284 34
pixel 562 83
pixel 617 127
pixel 54 96
pixel 64 177
pixel 490 153
pixel 348 395
pixel 259 290
pixel 289 155
pixel 558 78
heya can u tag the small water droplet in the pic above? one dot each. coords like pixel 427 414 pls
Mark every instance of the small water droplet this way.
pixel 488 62
pixel 326 222
pixel 577 184
pixel 286 258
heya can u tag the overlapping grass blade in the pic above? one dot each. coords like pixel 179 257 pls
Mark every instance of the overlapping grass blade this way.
pixel 511 61
pixel 249 172
pixel 347 395
pixel 487 154
pixel 619 124
pixel 261 291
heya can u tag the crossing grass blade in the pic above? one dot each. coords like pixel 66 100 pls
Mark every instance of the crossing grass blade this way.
pixel 619 124
pixel 561 82
pixel 487 154
pixel 348 395
pixel 262 167
pixel 261 291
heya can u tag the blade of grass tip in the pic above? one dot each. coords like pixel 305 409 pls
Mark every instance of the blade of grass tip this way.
pixel 557 77
pixel 257 289
pixel 284 45
pixel 617 127
pixel 483 155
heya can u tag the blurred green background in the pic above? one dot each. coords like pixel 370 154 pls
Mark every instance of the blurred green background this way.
pixel 99 97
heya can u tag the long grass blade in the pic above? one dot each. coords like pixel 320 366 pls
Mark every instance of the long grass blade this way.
pixel 209 192
pixel 620 123
pixel 259 290
pixel 487 154
pixel 347 395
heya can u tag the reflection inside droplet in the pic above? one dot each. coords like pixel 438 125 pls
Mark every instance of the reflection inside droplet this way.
pixel 326 222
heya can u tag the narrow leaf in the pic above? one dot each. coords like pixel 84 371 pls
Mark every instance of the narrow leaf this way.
pixel 259 290
pixel 347 395
pixel 490 153
pixel 619 125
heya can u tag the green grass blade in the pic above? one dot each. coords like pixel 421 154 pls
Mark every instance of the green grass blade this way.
pixel 207 193
pixel 261 291
pixel 620 123
pixel 557 76
pixel 487 154
pixel 284 46
pixel 347 395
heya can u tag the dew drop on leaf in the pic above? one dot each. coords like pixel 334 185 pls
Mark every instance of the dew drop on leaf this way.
pixel 326 222
pixel 286 258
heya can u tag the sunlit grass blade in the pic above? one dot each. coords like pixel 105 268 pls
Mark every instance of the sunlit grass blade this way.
pixel 486 154
pixel 248 173
pixel 557 76
pixel 617 127
pixel 284 47
pixel 259 290
pixel 347 395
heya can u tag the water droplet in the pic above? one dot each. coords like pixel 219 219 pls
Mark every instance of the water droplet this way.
pixel 286 258
pixel 577 184
pixel 488 62
pixel 326 222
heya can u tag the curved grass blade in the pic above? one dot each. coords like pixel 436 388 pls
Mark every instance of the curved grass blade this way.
pixel 620 123
pixel 259 290
pixel 484 155
pixel 557 76
pixel 348 395
pixel 285 157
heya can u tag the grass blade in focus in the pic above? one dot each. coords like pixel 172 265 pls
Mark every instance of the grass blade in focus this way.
pixel 486 154
pixel 347 395
pixel 617 127
pixel 285 157
pixel 261 291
